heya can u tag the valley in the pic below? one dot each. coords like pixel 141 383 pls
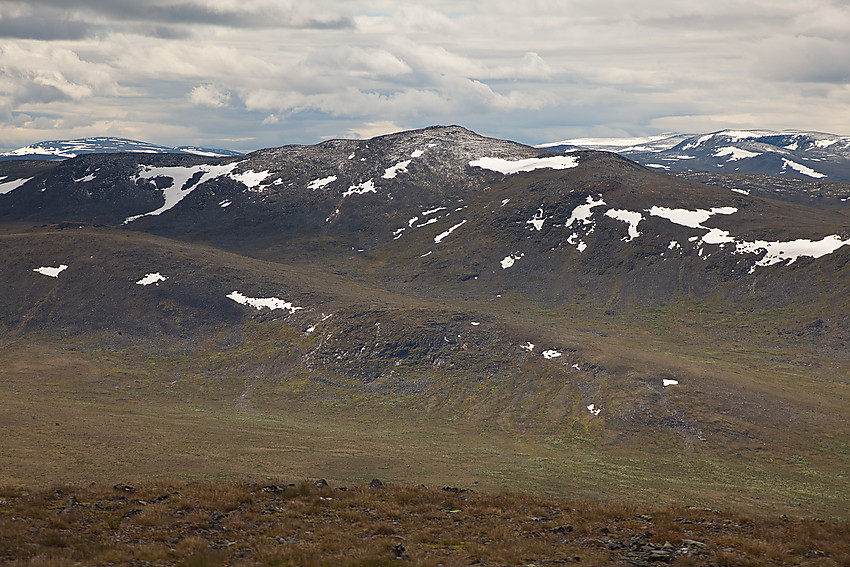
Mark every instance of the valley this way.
pixel 385 308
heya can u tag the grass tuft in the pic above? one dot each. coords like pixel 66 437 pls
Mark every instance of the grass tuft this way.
pixel 310 524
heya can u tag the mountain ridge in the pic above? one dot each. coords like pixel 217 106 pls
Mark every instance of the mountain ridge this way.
pixel 65 149
pixel 792 154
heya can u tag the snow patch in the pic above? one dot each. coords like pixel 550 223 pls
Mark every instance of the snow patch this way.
pixel 593 409
pixel 365 187
pixel 180 186
pixel 432 211
pixel 439 238
pixel 735 153
pixel 550 354
pixel 691 219
pixel 527 346
pixel 250 179
pixel 776 252
pixel 509 167
pixel 9 186
pixel 665 382
pixel 151 278
pixel 51 272
pixel 400 167
pixel 538 219
pixel 427 222
pixel 717 236
pixel 573 240
pixel 583 212
pixel 321 183
pixel 801 168
pixel 509 261
pixel 260 302
pixel 825 143
pixel 86 179
pixel 226 203
pixel 632 218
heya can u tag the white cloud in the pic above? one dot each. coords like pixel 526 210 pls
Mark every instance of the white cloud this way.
pixel 284 71
pixel 372 129
pixel 209 95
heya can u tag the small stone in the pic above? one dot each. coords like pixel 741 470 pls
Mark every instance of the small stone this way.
pixel 376 483
pixel 562 530
pixel 400 552
pixel 693 543
pixel 659 555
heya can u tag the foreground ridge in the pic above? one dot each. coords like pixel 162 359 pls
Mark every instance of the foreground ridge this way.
pixel 314 523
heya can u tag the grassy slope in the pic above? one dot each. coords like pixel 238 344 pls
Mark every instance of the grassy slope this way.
pixel 103 423
pixel 776 434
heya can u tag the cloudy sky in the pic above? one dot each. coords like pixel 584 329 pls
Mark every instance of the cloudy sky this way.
pixel 246 74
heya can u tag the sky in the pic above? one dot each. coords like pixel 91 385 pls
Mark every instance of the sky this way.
pixel 249 74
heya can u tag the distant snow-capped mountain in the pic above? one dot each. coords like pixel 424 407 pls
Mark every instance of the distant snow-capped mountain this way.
pixel 791 154
pixel 64 149
pixel 657 143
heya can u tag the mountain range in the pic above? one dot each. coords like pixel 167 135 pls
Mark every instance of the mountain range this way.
pixel 803 166
pixel 64 149
pixel 677 335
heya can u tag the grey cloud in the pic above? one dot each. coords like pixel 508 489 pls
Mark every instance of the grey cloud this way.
pixel 43 27
pixel 170 13
pixel 805 59
pixel 714 23
pixel 163 31
pixel 39 93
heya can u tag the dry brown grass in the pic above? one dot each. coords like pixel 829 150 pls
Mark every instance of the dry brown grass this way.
pixel 280 525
